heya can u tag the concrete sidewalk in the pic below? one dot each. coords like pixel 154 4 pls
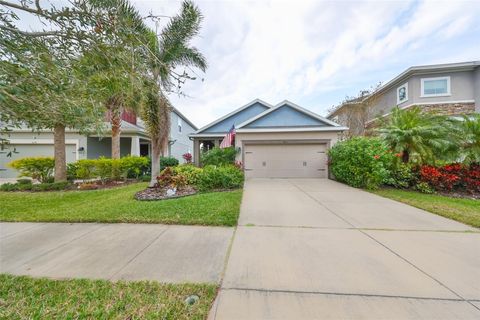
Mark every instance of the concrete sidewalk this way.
pixel 114 251
pixel 317 249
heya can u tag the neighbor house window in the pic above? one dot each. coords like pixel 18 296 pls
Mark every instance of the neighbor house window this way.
pixel 434 87
pixel 402 93
pixel 179 125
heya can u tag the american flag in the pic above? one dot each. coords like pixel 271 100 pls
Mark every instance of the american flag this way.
pixel 229 138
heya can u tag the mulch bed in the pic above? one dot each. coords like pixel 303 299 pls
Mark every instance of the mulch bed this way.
pixel 152 194
pixel 97 184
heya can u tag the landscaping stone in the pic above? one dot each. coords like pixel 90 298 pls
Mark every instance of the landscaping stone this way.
pixel 151 194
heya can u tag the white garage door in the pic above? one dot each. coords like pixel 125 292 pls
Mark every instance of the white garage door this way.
pixel 285 161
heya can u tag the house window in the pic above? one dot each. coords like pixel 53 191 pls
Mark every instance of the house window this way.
pixel 179 125
pixel 435 87
pixel 402 93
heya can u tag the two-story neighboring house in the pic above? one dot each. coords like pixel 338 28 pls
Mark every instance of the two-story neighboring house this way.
pixel 134 140
pixel 447 89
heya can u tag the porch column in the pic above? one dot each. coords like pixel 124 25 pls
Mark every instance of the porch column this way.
pixel 135 148
pixel 196 152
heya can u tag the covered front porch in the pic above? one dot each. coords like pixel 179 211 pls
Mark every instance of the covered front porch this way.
pixel 203 144
pixel 134 145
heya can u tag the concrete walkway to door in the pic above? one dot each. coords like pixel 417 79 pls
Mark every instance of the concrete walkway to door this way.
pixel 317 249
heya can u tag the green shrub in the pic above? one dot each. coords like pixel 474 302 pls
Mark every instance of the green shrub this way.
pixel 135 167
pixel 40 168
pixel 104 168
pixel 9 187
pixel 218 156
pixel 72 168
pixel 24 181
pixel 424 187
pixel 191 173
pixel 401 176
pixel 220 177
pixel 54 186
pixel 361 162
pixel 85 169
pixel 168 162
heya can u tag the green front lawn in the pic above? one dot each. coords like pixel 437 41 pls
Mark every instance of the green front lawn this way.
pixel 118 205
pixel 28 298
pixel 463 210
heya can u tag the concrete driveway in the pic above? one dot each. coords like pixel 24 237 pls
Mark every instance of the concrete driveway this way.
pixel 114 251
pixel 317 249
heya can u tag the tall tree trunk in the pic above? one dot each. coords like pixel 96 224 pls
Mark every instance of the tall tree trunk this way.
pixel 116 130
pixel 155 156
pixel 405 156
pixel 159 133
pixel 115 108
pixel 60 153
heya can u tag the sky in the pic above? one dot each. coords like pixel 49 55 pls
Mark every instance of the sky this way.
pixel 315 53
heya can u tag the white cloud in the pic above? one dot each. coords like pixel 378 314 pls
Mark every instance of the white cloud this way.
pixel 316 52
pixel 304 50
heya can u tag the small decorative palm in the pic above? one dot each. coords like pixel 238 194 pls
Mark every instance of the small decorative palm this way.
pixel 414 134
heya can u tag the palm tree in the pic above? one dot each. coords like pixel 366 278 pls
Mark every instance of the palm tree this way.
pixel 166 52
pixel 116 65
pixel 469 138
pixel 417 135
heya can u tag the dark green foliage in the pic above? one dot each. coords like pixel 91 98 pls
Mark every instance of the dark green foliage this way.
pixel 361 162
pixel 168 162
pixel 53 186
pixel 220 177
pixel 218 156
pixel 40 168
pixel 24 181
pixel 401 176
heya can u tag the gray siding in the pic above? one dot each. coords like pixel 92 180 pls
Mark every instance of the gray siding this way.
pixel 103 147
pixel 476 84
pixel 464 87
pixel 182 143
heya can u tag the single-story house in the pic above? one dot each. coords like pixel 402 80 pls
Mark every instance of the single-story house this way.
pixel 274 141
pixel 134 140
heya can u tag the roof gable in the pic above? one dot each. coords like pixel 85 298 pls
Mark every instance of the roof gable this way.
pixel 287 115
pixel 238 116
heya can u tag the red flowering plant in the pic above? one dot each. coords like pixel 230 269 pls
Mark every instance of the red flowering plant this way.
pixel 187 157
pixel 452 176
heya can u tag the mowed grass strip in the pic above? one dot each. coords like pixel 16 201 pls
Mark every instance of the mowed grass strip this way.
pixel 118 205
pixel 462 210
pixel 29 298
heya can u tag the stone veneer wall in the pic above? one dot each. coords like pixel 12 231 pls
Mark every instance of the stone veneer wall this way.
pixel 450 109
pixel 446 109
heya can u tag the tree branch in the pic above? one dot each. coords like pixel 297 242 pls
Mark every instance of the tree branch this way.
pixel 32 34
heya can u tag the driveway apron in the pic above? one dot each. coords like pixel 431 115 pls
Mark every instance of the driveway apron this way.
pixel 317 249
